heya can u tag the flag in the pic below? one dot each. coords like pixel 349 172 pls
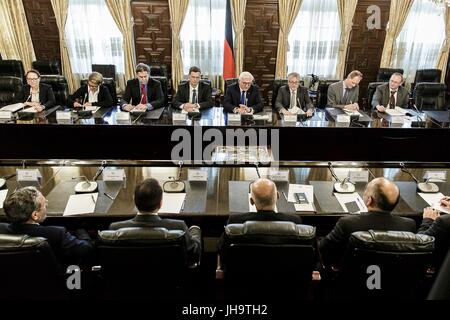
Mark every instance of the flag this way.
pixel 228 55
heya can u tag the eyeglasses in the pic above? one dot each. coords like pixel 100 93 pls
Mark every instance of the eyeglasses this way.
pixel 293 82
pixel 92 85
pixel 246 83
pixel 32 79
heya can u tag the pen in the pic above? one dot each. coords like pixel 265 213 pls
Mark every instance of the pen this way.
pixel 109 196
pixel 359 200
pixel 182 205
pixel 93 199
pixel 284 194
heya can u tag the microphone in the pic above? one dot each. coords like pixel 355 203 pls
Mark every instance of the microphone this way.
pixel 85 186
pixel 425 187
pixel 418 115
pixel 344 186
pixel 257 169
pixel 176 185
pixel 99 171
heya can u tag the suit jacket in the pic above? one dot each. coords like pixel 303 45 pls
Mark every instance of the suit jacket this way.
pixel 333 246
pixel 233 98
pixel 383 93
pixel 263 216
pixel 133 96
pixel 204 95
pixel 336 95
pixel 104 98
pixel 192 237
pixel 67 247
pixel 440 230
pixel 46 95
pixel 284 99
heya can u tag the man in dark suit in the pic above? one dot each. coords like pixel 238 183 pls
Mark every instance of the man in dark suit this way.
pixel 193 95
pixel 391 95
pixel 94 93
pixel 344 94
pixel 26 208
pixel 143 93
pixel 439 227
pixel 243 97
pixel 380 197
pixel 293 98
pixel 148 200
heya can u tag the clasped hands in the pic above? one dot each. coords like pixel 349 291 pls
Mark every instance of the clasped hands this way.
pixel 35 105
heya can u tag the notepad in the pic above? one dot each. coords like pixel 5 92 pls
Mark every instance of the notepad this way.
pixel 433 200
pixel 93 109
pixel 309 193
pixel 3 194
pixel 396 112
pixel 13 107
pixel 172 202
pixel 81 204
pixel 351 202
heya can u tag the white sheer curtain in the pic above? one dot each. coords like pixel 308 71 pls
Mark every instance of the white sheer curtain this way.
pixel 92 37
pixel 314 39
pixel 202 38
pixel 420 41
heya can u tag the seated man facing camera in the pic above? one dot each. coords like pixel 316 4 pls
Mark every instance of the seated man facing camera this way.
pixel 293 98
pixel 94 93
pixel 148 200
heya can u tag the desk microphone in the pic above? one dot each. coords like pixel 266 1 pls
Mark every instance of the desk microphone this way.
pixel 344 186
pixel 176 185
pixel 257 169
pixel 85 186
pixel 99 171
pixel 418 114
pixel 425 187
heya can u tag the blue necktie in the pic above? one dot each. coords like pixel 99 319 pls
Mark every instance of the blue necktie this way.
pixel 243 97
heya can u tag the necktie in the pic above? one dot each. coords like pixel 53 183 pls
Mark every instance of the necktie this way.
pixel 194 96
pixel 392 100
pixel 293 102
pixel 143 94
pixel 243 97
pixel 345 97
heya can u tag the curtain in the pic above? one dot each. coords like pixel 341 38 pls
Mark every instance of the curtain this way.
pixel 397 17
pixel 443 55
pixel 202 39
pixel 60 9
pixel 121 13
pixel 287 12
pixel 314 39
pixel 417 47
pixel 15 38
pixel 346 11
pixel 86 47
pixel 238 17
pixel 178 9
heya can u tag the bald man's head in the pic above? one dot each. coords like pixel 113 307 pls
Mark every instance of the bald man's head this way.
pixel 381 194
pixel 264 194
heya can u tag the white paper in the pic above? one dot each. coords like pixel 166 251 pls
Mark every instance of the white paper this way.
pixel 30 110
pixel 433 200
pixel 252 208
pixel 260 117
pixel 3 194
pixel 353 113
pixel 81 204
pixel 344 198
pixel 93 109
pixel 396 112
pixel 13 107
pixel 308 191
pixel 172 202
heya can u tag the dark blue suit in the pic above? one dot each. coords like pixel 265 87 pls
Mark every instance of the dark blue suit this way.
pixel 233 98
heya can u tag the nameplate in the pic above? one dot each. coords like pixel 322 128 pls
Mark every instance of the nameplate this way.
pixel 31 175
pixel 398 119
pixel 343 118
pixel 435 175
pixel 279 175
pixel 359 176
pixel 197 175
pixel 234 118
pixel 63 115
pixel 179 117
pixel 114 175
pixel 123 116
pixel 290 118
pixel 5 115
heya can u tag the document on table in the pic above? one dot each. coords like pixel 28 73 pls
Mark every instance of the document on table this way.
pixel 309 193
pixel 396 112
pixel 353 113
pixel 252 208
pixel 433 201
pixel 3 194
pixel 81 204
pixel 173 202
pixel 93 109
pixel 351 202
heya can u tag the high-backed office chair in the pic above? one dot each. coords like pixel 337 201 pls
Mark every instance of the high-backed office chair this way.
pixel 107 70
pixel 165 88
pixel 268 258
pixel 10 88
pixel 371 89
pixel 29 269
pixel 384 74
pixel 159 70
pixel 430 96
pixel 399 260
pixel 12 68
pixel 277 83
pixel 322 91
pixel 427 75
pixel 59 86
pixel 229 82
pixel 110 84
pixel 47 67
pixel 143 261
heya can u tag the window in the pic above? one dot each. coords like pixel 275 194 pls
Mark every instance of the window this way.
pixel 92 36
pixel 417 47
pixel 202 37
pixel 314 39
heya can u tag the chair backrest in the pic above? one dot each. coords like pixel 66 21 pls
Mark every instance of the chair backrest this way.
pixel 47 67
pixel 12 68
pixel 229 82
pixel 428 75
pixel 277 83
pixel 371 88
pixel 384 74
pixel 139 258
pixel 59 86
pixel 159 70
pixel 205 81
pixel 107 70
pixel 165 89
pixel 28 268
pixel 322 91
pixel 401 258
pixel 430 96
pixel 9 89
pixel 110 83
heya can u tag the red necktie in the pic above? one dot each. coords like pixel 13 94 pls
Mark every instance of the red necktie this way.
pixel 143 94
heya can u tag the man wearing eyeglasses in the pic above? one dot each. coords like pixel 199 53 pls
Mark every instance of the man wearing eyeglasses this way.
pixel 293 98
pixel 243 97
pixel 94 93
pixel 345 94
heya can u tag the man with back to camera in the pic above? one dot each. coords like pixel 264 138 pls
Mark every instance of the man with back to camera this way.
pixel 293 96
pixel 344 94
pixel 243 97
pixel 391 95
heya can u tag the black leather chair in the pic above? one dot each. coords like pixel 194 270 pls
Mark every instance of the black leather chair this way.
pixel 322 92
pixel 159 70
pixel 430 96
pixel 59 86
pixel 9 90
pixel 47 67
pixel 428 75
pixel 12 68
pixel 110 83
pixel 29 269
pixel 384 74
pixel 268 258
pixel 401 258
pixel 277 83
pixel 142 261
pixel 165 88
pixel 107 70
pixel 228 82
pixel 372 87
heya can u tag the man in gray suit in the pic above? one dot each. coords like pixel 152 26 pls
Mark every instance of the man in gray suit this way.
pixel 344 94
pixel 391 95
pixel 293 98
